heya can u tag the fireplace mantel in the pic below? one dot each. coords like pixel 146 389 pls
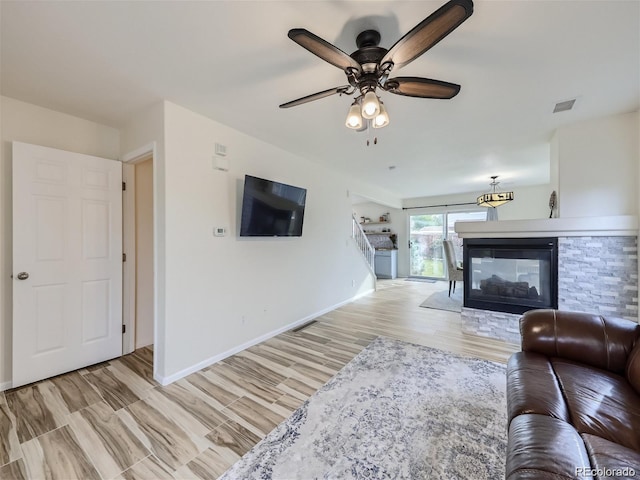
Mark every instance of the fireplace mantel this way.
pixel 613 226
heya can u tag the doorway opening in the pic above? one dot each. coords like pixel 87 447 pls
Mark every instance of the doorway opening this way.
pixel 138 241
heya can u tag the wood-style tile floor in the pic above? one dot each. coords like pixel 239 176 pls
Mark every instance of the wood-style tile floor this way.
pixel 113 420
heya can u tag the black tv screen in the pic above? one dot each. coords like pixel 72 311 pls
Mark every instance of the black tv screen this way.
pixel 271 209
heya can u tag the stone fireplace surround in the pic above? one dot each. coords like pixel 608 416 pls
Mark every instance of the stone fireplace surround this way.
pixel 597 268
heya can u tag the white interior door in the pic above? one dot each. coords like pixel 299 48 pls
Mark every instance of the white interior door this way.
pixel 67 261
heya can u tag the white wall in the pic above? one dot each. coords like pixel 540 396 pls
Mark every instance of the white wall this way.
pixel 598 167
pixel 223 292
pixel 29 123
pixel 366 193
pixel 554 171
pixel 144 253
pixel 374 211
pixel 529 203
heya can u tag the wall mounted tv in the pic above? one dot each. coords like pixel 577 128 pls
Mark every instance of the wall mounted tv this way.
pixel 271 209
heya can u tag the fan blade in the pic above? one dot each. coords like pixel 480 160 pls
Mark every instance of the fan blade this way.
pixel 428 32
pixel 421 87
pixel 317 96
pixel 323 49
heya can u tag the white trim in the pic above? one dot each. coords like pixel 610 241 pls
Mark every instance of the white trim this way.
pixel 613 226
pixel 129 267
pixel 140 154
pixel 5 386
pixel 148 151
pixel 216 358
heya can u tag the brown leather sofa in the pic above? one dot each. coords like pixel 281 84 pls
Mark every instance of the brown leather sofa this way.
pixel 573 396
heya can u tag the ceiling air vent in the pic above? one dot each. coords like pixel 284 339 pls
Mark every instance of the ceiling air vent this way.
pixel 564 106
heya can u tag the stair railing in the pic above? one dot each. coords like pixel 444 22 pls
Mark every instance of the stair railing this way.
pixel 358 235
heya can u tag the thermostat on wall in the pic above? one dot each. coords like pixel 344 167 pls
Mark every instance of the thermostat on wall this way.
pixel 219 231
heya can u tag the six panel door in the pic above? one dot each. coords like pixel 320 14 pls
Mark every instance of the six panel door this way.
pixel 67 261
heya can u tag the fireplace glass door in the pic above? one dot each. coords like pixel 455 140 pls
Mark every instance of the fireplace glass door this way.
pixel 511 275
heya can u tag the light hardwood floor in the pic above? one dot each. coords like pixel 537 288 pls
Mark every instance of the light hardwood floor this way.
pixel 114 421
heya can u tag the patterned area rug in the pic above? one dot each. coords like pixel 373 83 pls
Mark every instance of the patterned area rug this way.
pixel 396 411
pixel 442 300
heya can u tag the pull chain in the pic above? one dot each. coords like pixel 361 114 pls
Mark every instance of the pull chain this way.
pixel 375 139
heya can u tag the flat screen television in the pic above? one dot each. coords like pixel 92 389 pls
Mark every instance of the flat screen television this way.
pixel 271 209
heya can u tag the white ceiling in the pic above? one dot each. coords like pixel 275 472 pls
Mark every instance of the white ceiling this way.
pixel 232 61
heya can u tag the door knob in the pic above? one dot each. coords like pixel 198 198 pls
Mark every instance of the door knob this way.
pixel 22 276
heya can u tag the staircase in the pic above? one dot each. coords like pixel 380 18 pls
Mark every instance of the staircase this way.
pixel 368 252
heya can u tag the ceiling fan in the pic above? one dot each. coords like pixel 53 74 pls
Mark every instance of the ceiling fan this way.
pixel 368 68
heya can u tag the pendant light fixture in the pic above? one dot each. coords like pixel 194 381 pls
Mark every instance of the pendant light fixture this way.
pixel 493 198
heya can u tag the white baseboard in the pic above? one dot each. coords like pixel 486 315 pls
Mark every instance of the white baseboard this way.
pixel 5 386
pixel 216 358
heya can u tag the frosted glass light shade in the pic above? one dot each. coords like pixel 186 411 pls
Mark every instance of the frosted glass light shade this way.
pixel 370 105
pixel 354 119
pixel 382 119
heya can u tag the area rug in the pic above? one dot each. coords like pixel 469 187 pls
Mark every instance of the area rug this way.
pixel 442 300
pixel 396 411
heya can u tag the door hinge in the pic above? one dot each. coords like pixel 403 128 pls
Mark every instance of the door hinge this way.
pixel 124 257
pixel 124 186
pixel 124 329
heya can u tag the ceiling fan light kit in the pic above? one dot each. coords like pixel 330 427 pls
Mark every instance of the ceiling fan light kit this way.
pixel 368 68
pixel 494 199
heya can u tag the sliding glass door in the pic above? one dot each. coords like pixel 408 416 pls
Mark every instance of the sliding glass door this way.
pixel 426 234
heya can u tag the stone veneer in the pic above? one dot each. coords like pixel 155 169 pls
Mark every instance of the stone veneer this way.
pixel 595 275
pixel 485 323
pixel 599 275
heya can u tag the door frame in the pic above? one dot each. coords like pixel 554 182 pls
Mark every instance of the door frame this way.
pixel 129 160
pixel 445 211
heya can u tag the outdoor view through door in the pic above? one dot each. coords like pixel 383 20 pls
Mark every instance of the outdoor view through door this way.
pixel 426 233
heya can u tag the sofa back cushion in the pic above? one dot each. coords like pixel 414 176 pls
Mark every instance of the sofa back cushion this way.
pixel 600 402
pixel 633 367
pixel 602 342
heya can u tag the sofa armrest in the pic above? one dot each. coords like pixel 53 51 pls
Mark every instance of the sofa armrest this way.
pixel 602 342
